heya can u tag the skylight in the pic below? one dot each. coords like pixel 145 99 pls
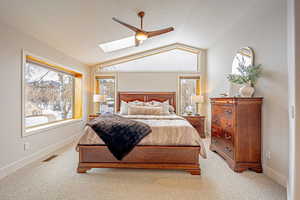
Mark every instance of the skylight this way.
pixel 118 44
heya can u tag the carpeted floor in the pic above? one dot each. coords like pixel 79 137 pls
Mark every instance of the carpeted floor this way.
pixel 58 180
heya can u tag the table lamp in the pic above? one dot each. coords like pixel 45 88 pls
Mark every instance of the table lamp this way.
pixel 197 99
pixel 101 99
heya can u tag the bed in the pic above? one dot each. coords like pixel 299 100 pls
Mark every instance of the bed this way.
pixel 158 150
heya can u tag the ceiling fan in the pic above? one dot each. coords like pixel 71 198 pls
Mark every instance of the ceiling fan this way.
pixel 140 34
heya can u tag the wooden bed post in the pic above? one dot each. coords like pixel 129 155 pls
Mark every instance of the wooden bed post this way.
pixel 82 170
pixel 194 171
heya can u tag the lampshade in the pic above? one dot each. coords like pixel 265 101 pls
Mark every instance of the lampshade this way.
pixel 197 99
pixel 99 98
pixel 141 36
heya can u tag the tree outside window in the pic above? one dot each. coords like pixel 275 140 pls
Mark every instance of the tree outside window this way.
pixel 49 95
pixel 106 87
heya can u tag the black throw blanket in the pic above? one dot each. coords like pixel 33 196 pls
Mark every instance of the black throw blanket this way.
pixel 120 135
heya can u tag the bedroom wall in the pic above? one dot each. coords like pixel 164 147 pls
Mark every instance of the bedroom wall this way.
pixel 148 82
pixel 263 29
pixel 12 152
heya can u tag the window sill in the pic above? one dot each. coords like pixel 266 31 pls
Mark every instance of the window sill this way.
pixel 36 130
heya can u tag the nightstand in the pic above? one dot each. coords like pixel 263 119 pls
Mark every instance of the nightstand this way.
pixel 198 122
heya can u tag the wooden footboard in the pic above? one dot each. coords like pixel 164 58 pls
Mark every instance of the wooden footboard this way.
pixel 143 157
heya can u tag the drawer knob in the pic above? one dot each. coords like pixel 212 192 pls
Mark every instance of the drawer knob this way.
pixel 228 111
pixel 228 136
pixel 215 121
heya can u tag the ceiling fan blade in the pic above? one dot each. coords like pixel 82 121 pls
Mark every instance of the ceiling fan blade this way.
pixel 159 32
pixel 127 25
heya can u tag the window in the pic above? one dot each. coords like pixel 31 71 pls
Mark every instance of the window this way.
pixel 49 93
pixel 189 86
pixel 106 86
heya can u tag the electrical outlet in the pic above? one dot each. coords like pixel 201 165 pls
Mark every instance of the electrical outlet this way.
pixel 26 146
pixel 268 155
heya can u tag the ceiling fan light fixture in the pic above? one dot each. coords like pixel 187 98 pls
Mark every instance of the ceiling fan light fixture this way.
pixel 141 36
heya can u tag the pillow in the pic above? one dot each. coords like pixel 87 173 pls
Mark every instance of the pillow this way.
pixel 144 110
pixel 159 103
pixel 171 109
pixel 124 108
pixel 149 103
pixel 165 106
pixel 136 103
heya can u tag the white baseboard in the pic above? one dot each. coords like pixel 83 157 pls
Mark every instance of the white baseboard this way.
pixel 12 167
pixel 276 176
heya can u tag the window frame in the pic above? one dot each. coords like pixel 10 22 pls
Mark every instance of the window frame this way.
pixel 199 87
pixel 77 94
pixel 96 88
pixel 201 70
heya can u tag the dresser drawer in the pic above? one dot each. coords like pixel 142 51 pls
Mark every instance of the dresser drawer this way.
pixel 223 146
pixel 220 132
pixel 223 111
pixel 228 149
pixel 222 116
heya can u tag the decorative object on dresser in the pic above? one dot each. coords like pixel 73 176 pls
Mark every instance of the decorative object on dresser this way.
pixel 236 132
pixel 198 122
pixel 244 72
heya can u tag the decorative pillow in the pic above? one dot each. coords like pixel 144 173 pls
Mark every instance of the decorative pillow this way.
pixel 165 106
pixel 159 103
pixel 144 110
pixel 171 109
pixel 136 103
pixel 149 103
pixel 124 108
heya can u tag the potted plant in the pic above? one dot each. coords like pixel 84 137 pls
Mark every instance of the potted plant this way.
pixel 247 76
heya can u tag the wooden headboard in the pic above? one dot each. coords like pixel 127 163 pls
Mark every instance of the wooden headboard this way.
pixel 146 96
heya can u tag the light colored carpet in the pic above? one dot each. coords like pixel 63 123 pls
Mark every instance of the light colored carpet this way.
pixel 58 180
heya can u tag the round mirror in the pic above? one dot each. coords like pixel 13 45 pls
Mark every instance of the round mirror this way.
pixel 244 56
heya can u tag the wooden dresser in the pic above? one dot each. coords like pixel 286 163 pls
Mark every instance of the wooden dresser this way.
pixel 236 132
pixel 198 122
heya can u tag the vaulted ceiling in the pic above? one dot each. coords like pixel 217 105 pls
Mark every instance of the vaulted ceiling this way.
pixel 76 27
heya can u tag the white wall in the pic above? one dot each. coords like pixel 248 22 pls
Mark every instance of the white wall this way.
pixel 174 60
pixel 147 82
pixel 11 143
pixel 263 29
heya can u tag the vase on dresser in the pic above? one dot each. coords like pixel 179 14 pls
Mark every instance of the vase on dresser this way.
pixel 246 91
pixel 236 132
